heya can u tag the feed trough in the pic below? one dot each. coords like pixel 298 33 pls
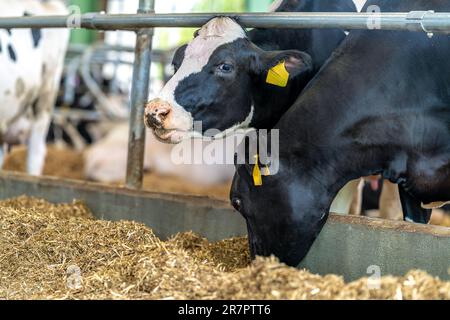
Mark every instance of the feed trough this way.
pixel 349 246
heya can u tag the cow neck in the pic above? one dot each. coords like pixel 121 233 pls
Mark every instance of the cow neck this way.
pixel 316 6
pixel 271 103
pixel 318 43
pixel 367 127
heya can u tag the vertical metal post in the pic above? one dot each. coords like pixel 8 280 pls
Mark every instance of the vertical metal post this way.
pixel 139 97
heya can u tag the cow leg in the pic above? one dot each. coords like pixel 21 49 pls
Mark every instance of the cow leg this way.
pixel 343 200
pixel 390 207
pixel 412 208
pixel 37 147
pixel 43 109
pixel 356 205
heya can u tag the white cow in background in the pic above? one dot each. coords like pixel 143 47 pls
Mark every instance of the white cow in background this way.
pixel 31 64
pixel 106 160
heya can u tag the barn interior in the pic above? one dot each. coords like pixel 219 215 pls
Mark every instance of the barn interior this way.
pixel 81 231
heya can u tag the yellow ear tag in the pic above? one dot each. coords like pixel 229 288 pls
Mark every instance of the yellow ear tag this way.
pixel 257 177
pixel 278 75
pixel 267 171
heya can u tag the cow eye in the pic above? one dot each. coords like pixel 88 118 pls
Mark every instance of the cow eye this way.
pixel 237 204
pixel 225 68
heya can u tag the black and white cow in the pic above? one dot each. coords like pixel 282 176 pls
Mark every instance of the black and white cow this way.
pixel 380 105
pixel 221 74
pixel 31 64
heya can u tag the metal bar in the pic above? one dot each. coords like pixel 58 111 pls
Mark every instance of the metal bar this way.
pixel 102 61
pixel 80 48
pixel 347 245
pixel 412 21
pixel 101 50
pixel 76 115
pixel 139 96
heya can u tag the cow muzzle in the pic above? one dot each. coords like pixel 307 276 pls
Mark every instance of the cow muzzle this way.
pixel 170 124
pixel 156 113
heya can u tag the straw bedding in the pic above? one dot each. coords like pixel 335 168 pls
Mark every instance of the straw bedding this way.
pixel 50 251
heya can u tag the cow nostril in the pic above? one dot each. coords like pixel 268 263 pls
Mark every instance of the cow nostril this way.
pixel 147 120
pixel 152 122
pixel 157 111
pixel 164 113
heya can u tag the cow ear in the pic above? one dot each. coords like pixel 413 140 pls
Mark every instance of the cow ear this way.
pixel 279 67
pixel 178 56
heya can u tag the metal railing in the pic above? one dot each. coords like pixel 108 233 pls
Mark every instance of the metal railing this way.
pixel 145 20
pixel 139 97
pixel 429 21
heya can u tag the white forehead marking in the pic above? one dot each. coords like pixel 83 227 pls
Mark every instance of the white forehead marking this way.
pixel 215 33
pixel 275 5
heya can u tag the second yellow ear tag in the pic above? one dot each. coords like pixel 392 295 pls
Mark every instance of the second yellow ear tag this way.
pixel 257 177
pixel 278 75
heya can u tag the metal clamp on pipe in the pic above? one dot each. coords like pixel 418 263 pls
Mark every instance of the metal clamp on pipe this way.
pixel 90 19
pixel 415 18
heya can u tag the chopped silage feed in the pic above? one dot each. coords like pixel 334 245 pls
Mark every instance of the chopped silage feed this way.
pixel 50 251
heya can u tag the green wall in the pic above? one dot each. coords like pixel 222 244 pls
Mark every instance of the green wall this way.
pixel 258 5
pixel 84 36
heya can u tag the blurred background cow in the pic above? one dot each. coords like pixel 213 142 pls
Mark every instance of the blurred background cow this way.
pixel 31 62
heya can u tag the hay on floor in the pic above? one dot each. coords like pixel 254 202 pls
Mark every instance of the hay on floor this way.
pixel 52 251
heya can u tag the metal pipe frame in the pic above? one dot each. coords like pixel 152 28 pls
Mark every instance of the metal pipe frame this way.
pixel 157 54
pixel 427 21
pixel 139 97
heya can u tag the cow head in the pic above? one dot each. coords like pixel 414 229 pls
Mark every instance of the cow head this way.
pixel 215 75
pixel 284 215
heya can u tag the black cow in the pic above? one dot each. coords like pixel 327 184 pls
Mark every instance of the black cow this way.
pixel 380 105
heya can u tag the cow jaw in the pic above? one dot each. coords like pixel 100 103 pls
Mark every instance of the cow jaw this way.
pixel 174 136
pixel 179 124
pixel 243 126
